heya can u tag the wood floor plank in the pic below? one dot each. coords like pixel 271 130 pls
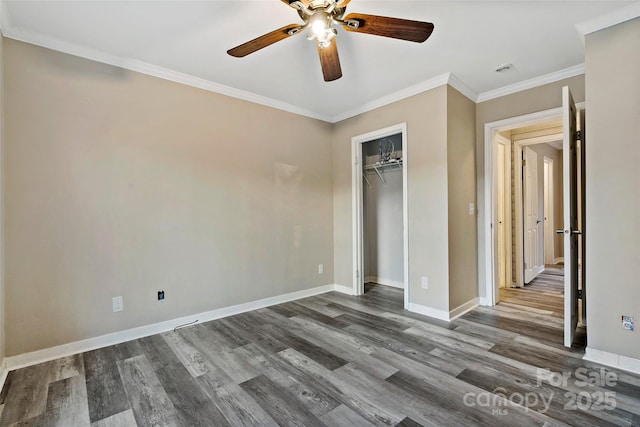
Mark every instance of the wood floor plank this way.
pixel 105 391
pixel 188 355
pixel 149 401
pixel 343 416
pixel 28 389
pixel 285 376
pixel 279 403
pixel 192 405
pixel 317 353
pixel 238 407
pixel 344 390
pixel 121 419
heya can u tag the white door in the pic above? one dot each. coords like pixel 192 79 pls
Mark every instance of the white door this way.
pixel 532 263
pixel 501 217
pixel 549 235
pixel 571 231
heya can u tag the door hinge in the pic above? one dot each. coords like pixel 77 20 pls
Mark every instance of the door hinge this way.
pixel 579 293
pixel 524 162
pixel 579 135
pixel 357 274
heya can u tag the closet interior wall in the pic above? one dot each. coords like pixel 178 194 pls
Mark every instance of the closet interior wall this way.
pixel 383 233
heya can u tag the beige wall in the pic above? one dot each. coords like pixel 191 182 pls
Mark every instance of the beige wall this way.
pixel 118 183
pixel 2 162
pixel 613 187
pixel 526 102
pixel 426 163
pixel 461 175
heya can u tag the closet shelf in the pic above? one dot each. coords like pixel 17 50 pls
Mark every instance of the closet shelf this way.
pixel 384 165
pixel 381 166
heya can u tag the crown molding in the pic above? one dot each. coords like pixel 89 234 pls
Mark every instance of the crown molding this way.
pixel 609 19
pixel 152 70
pixel 576 70
pixel 461 87
pixel 424 86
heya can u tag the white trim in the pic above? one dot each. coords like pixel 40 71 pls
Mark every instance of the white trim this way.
pixel 461 87
pixel 424 86
pixel 3 372
pixel 428 311
pixel 155 71
pixel 612 359
pixel 484 301
pixel 558 260
pixel 385 282
pixel 463 309
pixel 508 226
pixel 609 19
pixel 357 205
pixel 485 244
pixel 343 289
pixel 442 314
pixel 44 355
pixel 576 70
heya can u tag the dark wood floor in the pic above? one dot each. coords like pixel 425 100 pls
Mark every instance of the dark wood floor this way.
pixel 332 360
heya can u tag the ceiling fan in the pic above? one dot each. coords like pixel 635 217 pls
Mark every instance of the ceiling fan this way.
pixel 319 16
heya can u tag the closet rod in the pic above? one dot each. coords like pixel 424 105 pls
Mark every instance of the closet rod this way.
pixel 379 165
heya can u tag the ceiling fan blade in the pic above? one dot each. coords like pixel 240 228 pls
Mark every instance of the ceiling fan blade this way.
pixel 330 61
pixel 343 4
pixel 403 29
pixel 262 41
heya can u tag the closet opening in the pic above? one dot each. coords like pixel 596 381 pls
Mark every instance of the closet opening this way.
pixel 380 210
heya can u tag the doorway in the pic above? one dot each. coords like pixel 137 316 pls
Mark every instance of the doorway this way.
pixel 534 224
pixel 379 189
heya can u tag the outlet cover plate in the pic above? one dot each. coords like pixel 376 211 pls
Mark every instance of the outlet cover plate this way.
pixel 118 304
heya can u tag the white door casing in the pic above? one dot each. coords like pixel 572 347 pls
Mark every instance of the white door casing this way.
pixel 486 240
pixel 357 205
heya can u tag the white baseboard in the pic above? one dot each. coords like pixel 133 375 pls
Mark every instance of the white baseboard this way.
pixel 612 359
pixel 463 309
pixel 558 260
pixel 343 289
pixel 484 301
pixel 444 315
pixel 385 282
pixel 3 372
pixel 44 355
pixel 429 311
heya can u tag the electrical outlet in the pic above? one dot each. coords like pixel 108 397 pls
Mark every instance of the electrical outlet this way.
pixel 118 304
pixel 425 282
pixel 320 268
pixel 161 296
pixel 627 323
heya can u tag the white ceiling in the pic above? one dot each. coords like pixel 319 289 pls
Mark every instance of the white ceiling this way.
pixel 187 41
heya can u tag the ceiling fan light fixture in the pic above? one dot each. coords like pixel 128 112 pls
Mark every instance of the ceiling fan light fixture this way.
pixel 320 28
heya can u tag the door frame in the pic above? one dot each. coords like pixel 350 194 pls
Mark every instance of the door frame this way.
pixel 500 140
pixel 549 223
pixel 357 202
pixel 519 209
pixel 486 243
